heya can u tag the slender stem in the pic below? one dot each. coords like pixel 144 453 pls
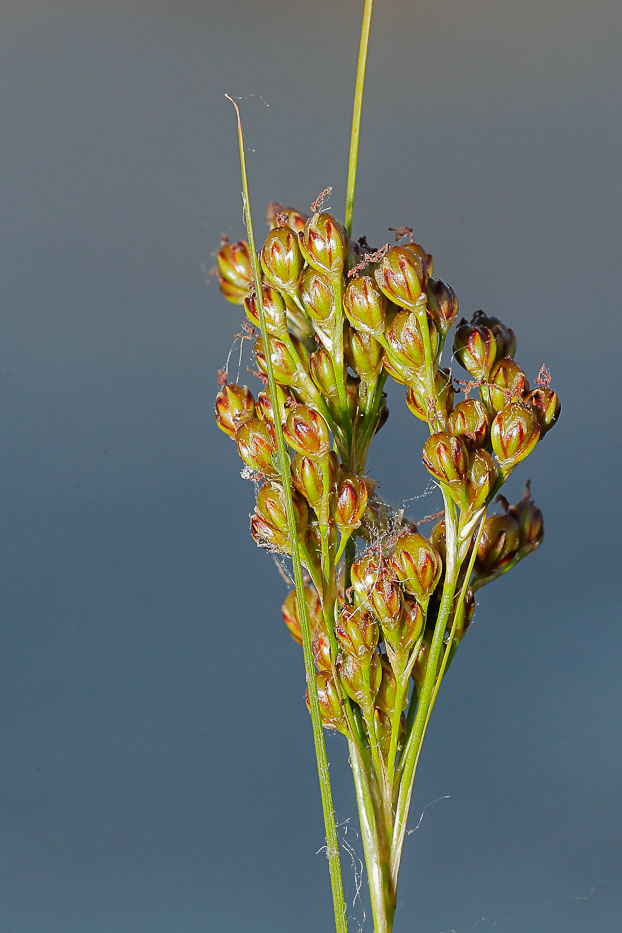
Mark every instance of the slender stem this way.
pixel 411 752
pixel 381 896
pixel 356 114
pixel 332 843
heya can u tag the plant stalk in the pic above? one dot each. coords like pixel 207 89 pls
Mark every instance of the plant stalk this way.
pixel 332 842
pixel 356 114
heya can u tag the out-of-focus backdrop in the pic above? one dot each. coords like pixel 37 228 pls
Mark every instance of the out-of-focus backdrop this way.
pixel 157 769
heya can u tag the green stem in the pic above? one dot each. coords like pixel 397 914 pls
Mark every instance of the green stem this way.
pixel 332 842
pixel 413 746
pixel 380 893
pixel 356 114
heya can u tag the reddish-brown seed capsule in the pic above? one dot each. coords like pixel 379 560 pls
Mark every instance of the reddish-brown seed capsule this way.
pixel 331 710
pixel 443 304
pixel 417 566
pixel 234 405
pixel 499 542
pixel 365 306
pixel 307 433
pixel 357 632
pixel 291 615
pixel 349 501
pixel 256 445
pixel 481 478
pixel 447 459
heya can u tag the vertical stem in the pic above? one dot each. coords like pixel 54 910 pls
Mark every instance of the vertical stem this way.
pixel 332 842
pixel 356 114
pixel 413 747
pixel 382 900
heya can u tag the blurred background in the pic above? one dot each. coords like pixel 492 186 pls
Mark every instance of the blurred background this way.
pixel 157 768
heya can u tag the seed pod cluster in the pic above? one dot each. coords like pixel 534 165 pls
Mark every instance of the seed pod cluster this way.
pixel 341 319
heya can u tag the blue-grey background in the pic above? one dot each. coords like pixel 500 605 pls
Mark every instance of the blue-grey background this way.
pixel 157 770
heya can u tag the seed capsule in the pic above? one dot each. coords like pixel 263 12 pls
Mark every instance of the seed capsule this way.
pixel 364 354
pixel 307 433
pixel 331 710
pixel 364 574
pixel 469 420
pixel 271 508
pixel 546 406
pixel 505 336
pixel 322 371
pixel 386 696
pixel 507 383
pixel 417 566
pixel 289 369
pixel 265 409
pixel 365 306
pixel 256 445
pixel 291 616
pixel 316 295
pixel 514 434
pixel 360 679
pixel 401 634
pixel 281 259
pixel 398 278
pixel 274 308
pixel 357 632
pixel 445 392
pixel 530 523
pixel 386 598
pixel 308 477
pixel 475 348
pixel 481 479
pixel 293 218
pixel 235 272
pixel 423 260
pixel 443 304
pixel 349 501
pixel 234 405
pixel 499 542
pixel 404 335
pixel 324 244
pixel 447 459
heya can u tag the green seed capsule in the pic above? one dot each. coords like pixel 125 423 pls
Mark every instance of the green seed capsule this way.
pixel 331 710
pixel 469 420
pixel 398 278
pixel 514 434
pixel 235 272
pixel 357 632
pixel 324 244
pixel 365 306
pixel 274 308
pixel 291 615
pixel 417 565
pixel 256 445
pixel 234 405
pixel 281 259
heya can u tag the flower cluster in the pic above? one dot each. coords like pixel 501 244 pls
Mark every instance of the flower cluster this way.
pixel 341 318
